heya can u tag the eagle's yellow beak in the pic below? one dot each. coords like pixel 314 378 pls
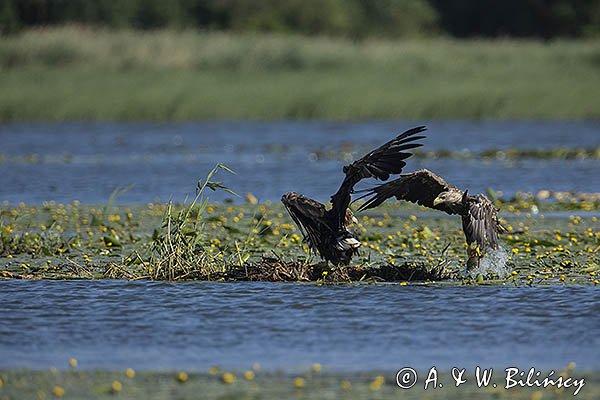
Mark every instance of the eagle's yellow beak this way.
pixel 437 201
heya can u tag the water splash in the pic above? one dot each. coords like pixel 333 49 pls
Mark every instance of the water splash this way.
pixel 492 264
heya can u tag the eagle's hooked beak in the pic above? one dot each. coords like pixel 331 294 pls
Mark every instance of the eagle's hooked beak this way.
pixel 437 201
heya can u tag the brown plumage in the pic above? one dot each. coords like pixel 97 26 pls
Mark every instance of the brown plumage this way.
pixel 479 216
pixel 327 231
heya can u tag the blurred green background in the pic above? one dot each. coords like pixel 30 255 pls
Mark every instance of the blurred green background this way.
pixel 349 18
pixel 290 59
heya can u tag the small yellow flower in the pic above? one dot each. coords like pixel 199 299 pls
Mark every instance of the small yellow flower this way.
pixel 58 391
pixel 182 377
pixel 249 375
pixel 130 373
pixel 116 386
pixel 346 385
pixel 537 395
pixel 228 377
pixel 213 370
pixel 376 383
pixel 72 362
pixel 299 382
pixel 316 367
pixel 515 250
pixel 374 386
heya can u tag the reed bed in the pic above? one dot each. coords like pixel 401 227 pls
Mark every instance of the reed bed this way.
pixel 77 73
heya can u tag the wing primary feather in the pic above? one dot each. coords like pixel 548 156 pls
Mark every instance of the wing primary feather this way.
pixel 380 163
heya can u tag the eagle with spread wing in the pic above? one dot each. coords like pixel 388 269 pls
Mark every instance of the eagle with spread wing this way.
pixel 327 230
pixel 479 216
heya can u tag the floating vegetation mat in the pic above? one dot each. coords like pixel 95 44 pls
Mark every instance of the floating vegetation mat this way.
pixel 203 241
pixel 341 153
pixel 272 269
pixel 255 384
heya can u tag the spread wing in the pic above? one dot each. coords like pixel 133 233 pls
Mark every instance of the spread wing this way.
pixel 419 187
pixel 379 164
pixel 481 224
pixel 308 215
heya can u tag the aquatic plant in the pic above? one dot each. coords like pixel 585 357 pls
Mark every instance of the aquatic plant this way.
pixel 216 384
pixel 401 243
pixel 179 248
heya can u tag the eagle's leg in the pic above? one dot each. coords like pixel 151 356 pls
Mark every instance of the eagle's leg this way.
pixel 474 254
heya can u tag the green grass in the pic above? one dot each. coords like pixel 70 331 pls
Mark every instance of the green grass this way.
pixel 74 73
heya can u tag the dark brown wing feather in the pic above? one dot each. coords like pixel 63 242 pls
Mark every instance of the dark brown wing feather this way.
pixel 386 159
pixel 379 164
pixel 480 224
pixel 309 216
pixel 419 187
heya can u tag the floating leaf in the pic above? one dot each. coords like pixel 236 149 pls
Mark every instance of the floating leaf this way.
pixel 111 241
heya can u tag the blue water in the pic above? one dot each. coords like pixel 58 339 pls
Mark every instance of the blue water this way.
pixel 88 161
pixel 146 325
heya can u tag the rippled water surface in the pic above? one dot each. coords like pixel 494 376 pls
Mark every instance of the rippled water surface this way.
pixel 117 324
pixel 85 161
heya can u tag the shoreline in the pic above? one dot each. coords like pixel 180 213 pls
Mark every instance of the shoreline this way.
pixel 73 73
